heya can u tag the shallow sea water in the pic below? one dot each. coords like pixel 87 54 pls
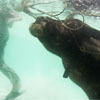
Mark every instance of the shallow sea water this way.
pixel 39 70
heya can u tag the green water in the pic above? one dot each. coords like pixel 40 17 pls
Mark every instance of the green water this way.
pixel 39 70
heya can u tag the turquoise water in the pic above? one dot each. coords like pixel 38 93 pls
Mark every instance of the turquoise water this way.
pixel 39 70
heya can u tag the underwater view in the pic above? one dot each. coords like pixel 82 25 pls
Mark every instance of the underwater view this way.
pixel 34 65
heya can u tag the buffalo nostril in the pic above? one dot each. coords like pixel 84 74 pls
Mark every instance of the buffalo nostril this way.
pixel 41 19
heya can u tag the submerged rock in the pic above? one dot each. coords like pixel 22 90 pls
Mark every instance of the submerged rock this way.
pixel 79 49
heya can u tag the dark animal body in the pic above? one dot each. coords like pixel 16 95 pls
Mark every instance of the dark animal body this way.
pixel 8 72
pixel 79 50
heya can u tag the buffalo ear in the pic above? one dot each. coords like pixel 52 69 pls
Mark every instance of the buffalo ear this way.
pixel 91 46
